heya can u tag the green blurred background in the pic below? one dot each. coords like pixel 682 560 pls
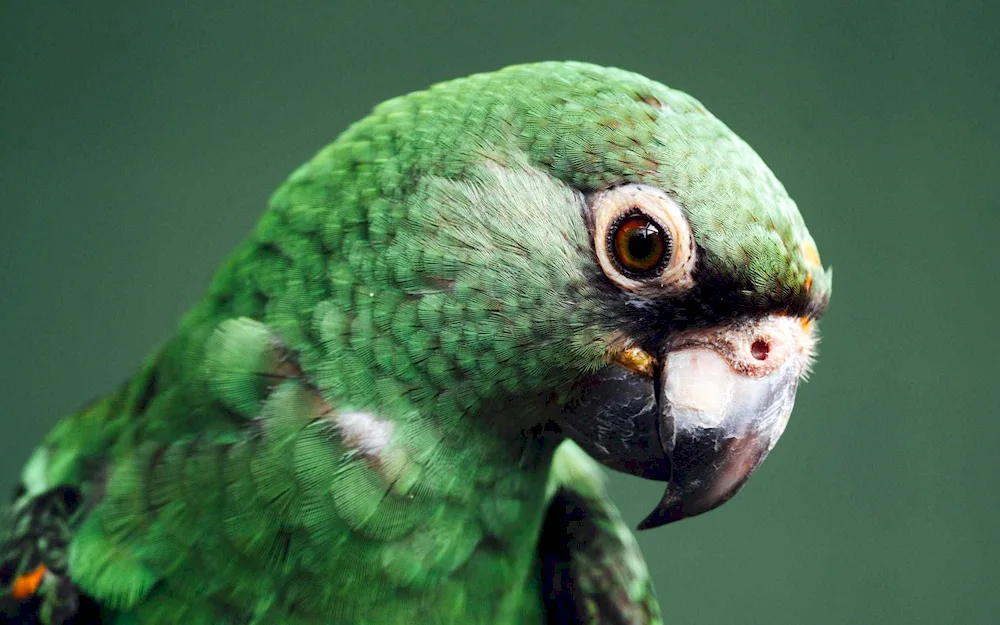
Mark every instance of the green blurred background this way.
pixel 138 144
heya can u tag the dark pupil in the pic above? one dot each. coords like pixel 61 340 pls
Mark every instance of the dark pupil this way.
pixel 638 244
pixel 642 242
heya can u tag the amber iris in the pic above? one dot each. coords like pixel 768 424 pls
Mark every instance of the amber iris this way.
pixel 639 244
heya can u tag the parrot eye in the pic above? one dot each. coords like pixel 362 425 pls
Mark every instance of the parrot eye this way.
pixel 642 239
pixel 638 244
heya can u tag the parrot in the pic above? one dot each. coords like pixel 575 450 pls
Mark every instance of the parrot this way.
pixel 398 399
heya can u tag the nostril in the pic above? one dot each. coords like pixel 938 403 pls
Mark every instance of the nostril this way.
pixel 760 349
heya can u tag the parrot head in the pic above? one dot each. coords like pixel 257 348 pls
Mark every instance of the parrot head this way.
pixel 599 241
pixel 718 285
pixel 722 298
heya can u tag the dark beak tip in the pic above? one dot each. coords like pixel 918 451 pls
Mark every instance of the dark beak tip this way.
pixel 658 518
pixel 705 486
pixel 670 509
pixel 676 509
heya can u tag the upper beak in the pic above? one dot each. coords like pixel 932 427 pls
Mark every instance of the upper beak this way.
pixel 701 415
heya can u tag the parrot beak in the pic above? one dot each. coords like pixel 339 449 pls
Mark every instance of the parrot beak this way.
pixel 701 417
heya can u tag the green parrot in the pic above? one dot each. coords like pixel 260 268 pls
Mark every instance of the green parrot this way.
pixel 394 401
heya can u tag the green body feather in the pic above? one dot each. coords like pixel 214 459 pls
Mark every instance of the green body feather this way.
pixel 348 428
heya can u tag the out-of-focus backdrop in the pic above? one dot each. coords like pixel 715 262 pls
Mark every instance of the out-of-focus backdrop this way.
pixel 139 143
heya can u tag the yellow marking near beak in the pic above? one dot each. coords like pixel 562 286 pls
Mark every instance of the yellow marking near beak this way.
pixel 636 359
pixel 810 253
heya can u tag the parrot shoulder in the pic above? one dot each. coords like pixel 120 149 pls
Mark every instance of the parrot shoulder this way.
pixel 93 532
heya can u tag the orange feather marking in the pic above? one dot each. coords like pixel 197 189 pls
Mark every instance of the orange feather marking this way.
pixel 26 585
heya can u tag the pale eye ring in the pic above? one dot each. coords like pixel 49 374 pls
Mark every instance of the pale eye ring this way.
pixel 642 239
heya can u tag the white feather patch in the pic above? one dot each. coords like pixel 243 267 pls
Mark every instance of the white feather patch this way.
pixel 362 431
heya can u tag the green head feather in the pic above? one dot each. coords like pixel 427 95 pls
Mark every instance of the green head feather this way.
pixel 446 236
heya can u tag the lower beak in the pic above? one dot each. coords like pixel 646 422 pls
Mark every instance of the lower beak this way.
pixel 715 404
